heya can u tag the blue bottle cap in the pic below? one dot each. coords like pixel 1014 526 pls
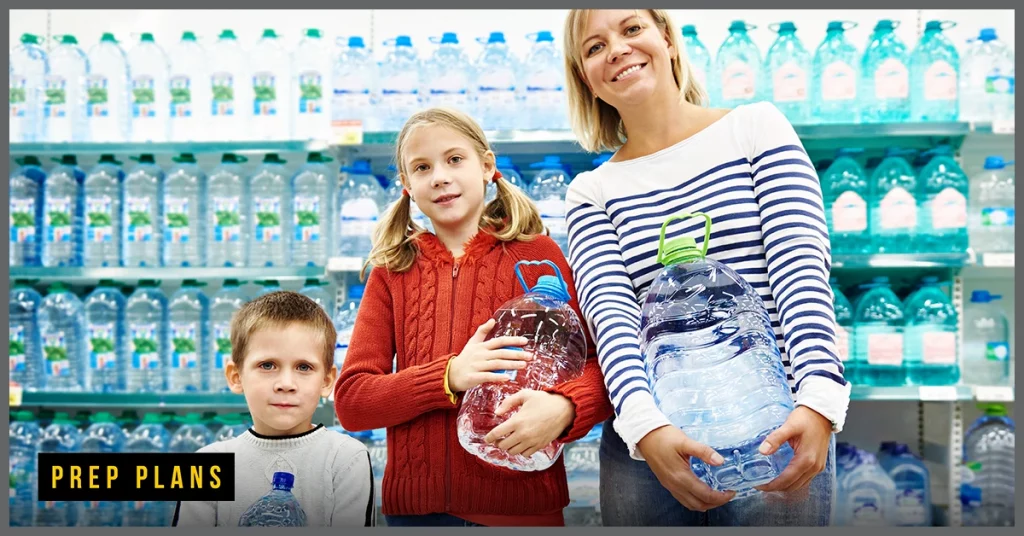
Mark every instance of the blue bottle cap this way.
pixel 449 38
pixel 994 162
pixel 503 162
pixel 835 26
pixel 496 37
pixel 545 36
pixel 283 480
pixel 403 41
pixel 359 167
pixel 355 292
pixel 601 159
pixel 356 42
pixel 551 286
pixel 987 34
pixel 980 296
pixel 738 26
pixel 787 27
pixel 899 449
pixel 885 25
pixel 929 280
pixel 690 30
pixel 549 162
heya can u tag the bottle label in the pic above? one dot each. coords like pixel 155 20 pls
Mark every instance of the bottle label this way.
pixel 898 210
pixel 997 351
pixel 997 83
pixel 358 217
pixel 997 217
pixel 940 82
pixel 181 96
pixel 102 352
pixel 58 219
pixel 892 80
pixel 264 88
pixel 867 507
pixel 496 97
pixel 98 97
pixel 311 91
pixel 849 213
pixel 55 350
pixel 542 97
pixel 885 349
pixel 23 220
pixel 99 219
pixel 949 210
pixel 307 218
pixel 838 82
pixel 349 100
pixel 145 347
pixel 789 83
pixel 19 94
pixel 176 230
pixel 222 338
pixel 397 100
pixel 268 219
pixel 56 97
pixel 738 81
pixel 183 339
pixel 223 87
pixel 140 223
pixel 939 347
pixel 843 343
pixel 910 507
pixel 227 219
pixel 143 97
pixel 16 348
pixel 552 215
pixel 448 98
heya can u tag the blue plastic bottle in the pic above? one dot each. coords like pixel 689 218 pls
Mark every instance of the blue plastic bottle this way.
pixel 885 77
pixel 60 436
pixel 344 322
pixel 698 54
pixel 183 198
pixel 105 328
pixel 543 84
pixel 990 456
pixel 360 199
pixel 944 188
pixel 146 318
pixel 188 313
pixel 25 213
pixel 25 350
pixel 24 434
pixel 63 334
pixel 510 172
pixel 878 335
pixel 846 194
pixel 931 347
pixel 223 306
pixel 400 81
pixel 314 290
pixel 105 436
pixel 102 233
pixel 228 213
pixel 548 191
pixel 583 473
pixel 496 84
pixel 279 508
pixel 738 77
pixel 894 210
pixel 270 214
pixel 313 191
pixel 844 330
pixel 913 486
pixel 150 436
pixel 191 436
pixel 787 73
pixel 935 76
pixel 355 79
pixel 63 202
pixel 142 213
pixel 986 341
pixel 869 494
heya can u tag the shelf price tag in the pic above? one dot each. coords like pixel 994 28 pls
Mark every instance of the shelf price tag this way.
pixel 347 132
pixel 932 393
pixel 986 393
pixel 344 264
pixel 14 397
pixel 1004 126
pixel 998 259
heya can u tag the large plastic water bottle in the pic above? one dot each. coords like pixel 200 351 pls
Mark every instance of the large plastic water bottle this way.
pixel 231 89
pixel 24 344
pixel 844 329
pixel 223 306
pixel 60 436
pixel 867 494
pixel 345 323
pixel 184 204
pixel 63 336
pixel 102 240
pixel 232 426
pixel 146 319
pixel 107 99
pixel 496 83
pixel 878 333
pixel 150 85
pixel 987 81
pixel 695 369
pixel 313 208
pixel 25 212
pixel 913 485
pixel 311 88
pixel 448 75
pixel 583 473
pixel 542 82
pixel 944 188
pixel 394 194
pixel 989 453
pixel 987 341
pixel 270 213
pixel 190 90
pixel 992 213
pixel 511 173
pixel 934 75
pixel 62 225
pixel 271 89
pixel 28 70
pixel 191 436
pixel 697 54
pixel 787 75
pixel 188 314
pixel 315 290
pixel 359 206
pixel 141 213
pixel 835 77
pixel 400 79
pixel 885 77
pixel 149 437
pixel 104 435
pixel 930 348
pixel 846 193
pixel 548 191
pixel 737 78
pixel 64 108
pixel 228 213
pixel 893 215
pixel 279 508
pixel 354 76
pixel 23 436
pixel 105 328
pixel 557 342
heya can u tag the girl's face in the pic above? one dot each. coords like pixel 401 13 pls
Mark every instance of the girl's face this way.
pixel 446 176
pixel 626 58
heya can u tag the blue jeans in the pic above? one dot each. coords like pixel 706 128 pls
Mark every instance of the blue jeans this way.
pixel 631 495
pixel 428 520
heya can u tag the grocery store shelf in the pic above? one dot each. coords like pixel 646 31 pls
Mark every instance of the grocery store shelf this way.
pixel 203 147
pixel 922 260
pixel 79 274
pixel 950 393
pixel 133 400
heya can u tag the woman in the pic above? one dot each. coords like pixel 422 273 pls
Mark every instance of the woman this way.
pixel 632 91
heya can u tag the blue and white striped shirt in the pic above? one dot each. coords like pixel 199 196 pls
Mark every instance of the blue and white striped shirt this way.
pixel 750 173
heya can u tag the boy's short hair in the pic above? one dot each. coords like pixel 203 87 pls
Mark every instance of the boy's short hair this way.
pixel 278 309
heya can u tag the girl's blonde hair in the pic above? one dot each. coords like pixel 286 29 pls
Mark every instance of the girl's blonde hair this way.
pixel 510 216
pixel 597 125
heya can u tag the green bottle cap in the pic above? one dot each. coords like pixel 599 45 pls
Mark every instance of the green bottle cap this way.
pixel 683 248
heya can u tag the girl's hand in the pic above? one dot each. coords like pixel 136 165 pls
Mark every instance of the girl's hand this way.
pixel 668 451
pixel 479 359
pixel 541 419
pixel 809 434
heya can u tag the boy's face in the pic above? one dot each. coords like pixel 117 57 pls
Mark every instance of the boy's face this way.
pixel 283 378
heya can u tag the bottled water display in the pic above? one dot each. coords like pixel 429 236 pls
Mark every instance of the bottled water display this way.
pixel 987 81
pixel 279 508
pixel 141 215
pixel 149 437
pixel 150 91
pixel 25 212
pixel 697 54
pixel 24 434
pixel 878 336
pixel 102 188
pixel 913 485
pixel 230 88
pixel 394 194
pixel 64 105
pixel 894 218
pixel 543 85
pixel 60 436
pixel 987 341
pixel 266 287
pixel 359 205
pixel 28 69
pixel 184 202
pixel 345 322
pixel 223 305
pixel 271 89
pixel 989 455
pixel 583 472
pixel 496 84
pixel 63 339
pixel 846 193
pixel 227 213
pixel 313 197
pixel 448 75
pixel 188 324
pixel 270 213
pixel 377 447
pixel 835 77
pixel 885 77
pixel 146 318
pixel 310 92
pixel 934 76
pixel 232 426
pixel 737 78
pixel 866 494
pixel 355 77
pixel 691 304
pixel 104 435
pixel 106 88
pixel 400 81
pixel 787 75
pixel 62 205
pixel 24 345
pixel 105 328
pixel 556 340
pixel 547 190
pixel 930 354
pixel 190 90
pixel 510 172
pixel 943 218
pixel 992 214
pixel 191 436
pixel 844 328
pixel 315 290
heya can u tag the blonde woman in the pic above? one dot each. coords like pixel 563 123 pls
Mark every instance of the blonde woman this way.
pixel 632 91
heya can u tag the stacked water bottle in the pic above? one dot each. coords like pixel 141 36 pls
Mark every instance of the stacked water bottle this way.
pixel 30 434
pixel 890 488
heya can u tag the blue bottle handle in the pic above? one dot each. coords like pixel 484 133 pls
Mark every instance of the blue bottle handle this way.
pixel 664 226
pixel 522 281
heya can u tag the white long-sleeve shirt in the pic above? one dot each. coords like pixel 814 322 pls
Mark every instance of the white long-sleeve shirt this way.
pixel 750 173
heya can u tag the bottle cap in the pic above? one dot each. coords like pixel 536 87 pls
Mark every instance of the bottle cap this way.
pixel 283 480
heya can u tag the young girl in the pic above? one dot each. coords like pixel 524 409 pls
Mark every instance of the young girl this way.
pixel 428 302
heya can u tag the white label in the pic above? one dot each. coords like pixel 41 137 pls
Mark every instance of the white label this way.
pixel 934 393
pixel 227 219
pixel 268 219
pixel 358 217
pixel 849 213
pixel 738 81
pixel 789 83
pixel 898 210
pixel 843 343
pixel 544 97
pixel 552 214
pixel 949 210
pixel 358 100
pixel 939 348
pixel 940 82
pixel 993 394
pixel 838 82
pixel 496 97
pixel 885 349
pixel 892 80
pixel 307 218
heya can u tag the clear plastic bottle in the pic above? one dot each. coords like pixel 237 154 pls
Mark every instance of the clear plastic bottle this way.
pixel 495 89
pixel 844 331
pixel 400 80
pixel 27 79
pixel 313 192
pixel 279 508
pixel 548 191
pixel 25 212
pixel 943 200
pixel 311 98
pixel 737 69
pixel 102 240
pixel 151 95
pixel 930 348
pixel 62 225
pixel 448 75
pixel 151 436
pixel 107 99
pixel 542 83
pixel 359 206
pixel 270 214
pixel 934 75
pixel 192 435
pixel 64 339
pixel 846 193
pixel 146 319
pixel 102 436
pixel 188 313
pixel 267 286
pixel 64 109
pixel 142 213
pixel 24 435
pixel 60 436
pixel 183 198
pixel 25 349
pixel 987 357
pixel 894 212
pixel 314 290
pixel 868 498
pixel 228 215
pixel 987 81
pixel 231 89
pixel 879 335
pixel 190 90
pixel 105 328
pixel 223 306
pixel 583 473
pixel 990 456
pixel 345 322
pixel 885 77
pixel 354 77
pixel 697 54
pixel 992 214
pixel 271 89
pixel 787 75
pixel 835 79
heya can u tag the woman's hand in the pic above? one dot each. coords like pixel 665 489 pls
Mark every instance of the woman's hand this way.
pixel 667 451
pixel 479 360
pixel 541 419
pixel 809 434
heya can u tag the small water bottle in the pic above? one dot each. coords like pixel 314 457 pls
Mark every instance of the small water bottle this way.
pixel 279 508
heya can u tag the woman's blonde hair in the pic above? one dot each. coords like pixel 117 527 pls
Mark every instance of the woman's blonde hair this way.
pixel 510 216
pixel 597 124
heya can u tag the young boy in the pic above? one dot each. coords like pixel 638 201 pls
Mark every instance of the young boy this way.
pixel 282 359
